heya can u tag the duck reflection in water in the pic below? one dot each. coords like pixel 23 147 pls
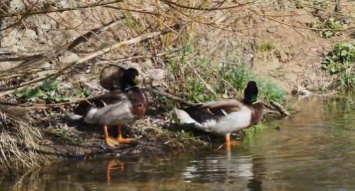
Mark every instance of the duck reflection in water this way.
pixel 112 165
pixel 241 172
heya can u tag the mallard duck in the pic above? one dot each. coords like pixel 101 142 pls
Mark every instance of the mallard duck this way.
pixel 225 116
pixel 117 107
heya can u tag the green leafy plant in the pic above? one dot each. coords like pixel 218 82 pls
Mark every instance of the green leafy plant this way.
pixel 30 94
pixel 198 91
pixel 49 85
pixel 331 25
pixel 340 61
pixel 48 91
pixel 239 77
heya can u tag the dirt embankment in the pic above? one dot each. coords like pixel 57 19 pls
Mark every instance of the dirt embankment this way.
pixel 272 38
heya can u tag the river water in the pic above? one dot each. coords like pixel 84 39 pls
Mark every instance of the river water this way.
pixel 311 150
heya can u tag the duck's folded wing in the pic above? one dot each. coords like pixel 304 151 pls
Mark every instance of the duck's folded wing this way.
pixel 119 112
pixel 108 98
pixel 227 105
pixel 99 101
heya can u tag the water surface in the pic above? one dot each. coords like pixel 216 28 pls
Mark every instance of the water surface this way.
pixel 312 150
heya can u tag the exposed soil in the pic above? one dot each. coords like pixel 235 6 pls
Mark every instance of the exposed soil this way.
pixel 298 51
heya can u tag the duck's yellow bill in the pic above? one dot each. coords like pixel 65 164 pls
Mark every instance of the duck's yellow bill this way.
pixel 136 80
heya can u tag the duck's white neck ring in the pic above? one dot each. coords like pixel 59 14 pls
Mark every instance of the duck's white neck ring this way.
pixel 130 87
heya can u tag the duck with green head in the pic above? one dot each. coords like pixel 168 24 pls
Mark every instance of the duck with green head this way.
pixel 117 107
pixel 224 117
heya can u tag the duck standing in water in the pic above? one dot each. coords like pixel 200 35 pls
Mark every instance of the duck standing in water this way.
pixel 117 107
pixel 224 117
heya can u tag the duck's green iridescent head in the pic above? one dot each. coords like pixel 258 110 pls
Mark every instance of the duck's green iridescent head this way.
pixel 130 78
pixel 250 93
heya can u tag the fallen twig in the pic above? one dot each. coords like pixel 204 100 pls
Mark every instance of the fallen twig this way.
pixel 279 108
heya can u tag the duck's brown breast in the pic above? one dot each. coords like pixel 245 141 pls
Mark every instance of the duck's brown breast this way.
pixel 139 103
pixel 257 113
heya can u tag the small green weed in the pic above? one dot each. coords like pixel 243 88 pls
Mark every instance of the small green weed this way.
pixel 317 4
pixel 332 25
pixel 265 47
pixel 346 81
pixel 254 128
pixel 198 92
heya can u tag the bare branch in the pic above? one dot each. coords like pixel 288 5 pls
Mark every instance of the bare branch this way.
pixel 39 12
pixel 170 3
pixel 138 39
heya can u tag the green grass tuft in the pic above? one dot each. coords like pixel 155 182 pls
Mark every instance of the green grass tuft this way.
pixel 201 78
pixel 265 47
pixel 239 77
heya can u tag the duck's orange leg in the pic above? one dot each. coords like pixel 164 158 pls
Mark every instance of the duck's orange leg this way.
pixel 111 142
pixel 228 142
pixel 112 165
pixel 123 140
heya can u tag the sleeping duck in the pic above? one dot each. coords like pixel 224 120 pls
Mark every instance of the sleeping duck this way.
pixel 117 107
pixel 224 117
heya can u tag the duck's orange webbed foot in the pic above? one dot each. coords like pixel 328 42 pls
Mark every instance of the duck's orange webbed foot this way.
pixel 109 141
pixel 120 139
